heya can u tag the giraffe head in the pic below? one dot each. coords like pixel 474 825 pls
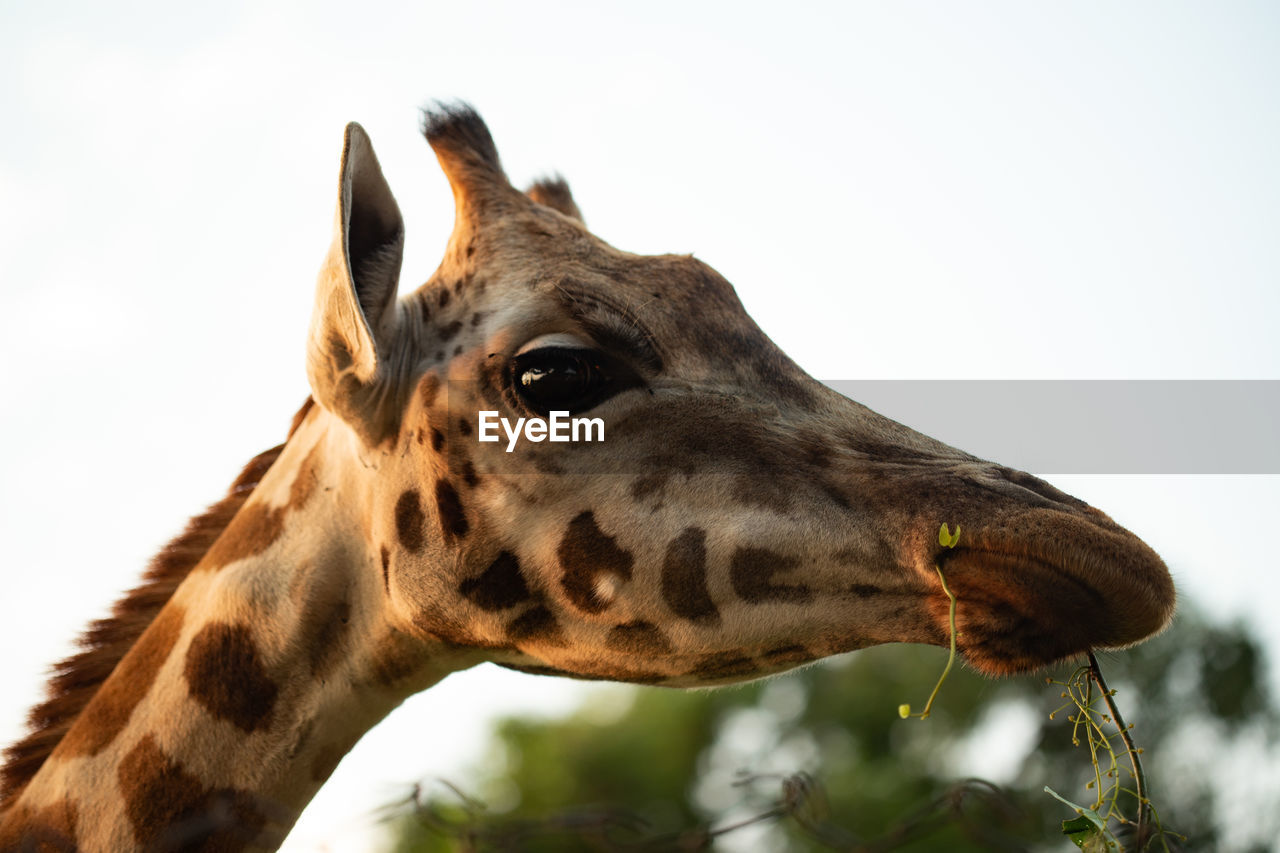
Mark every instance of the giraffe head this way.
pixel 738 518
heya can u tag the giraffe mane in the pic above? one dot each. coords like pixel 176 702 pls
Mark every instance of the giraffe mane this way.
pixel 75 680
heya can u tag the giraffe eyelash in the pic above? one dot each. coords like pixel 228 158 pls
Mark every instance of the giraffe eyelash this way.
pixel 614 328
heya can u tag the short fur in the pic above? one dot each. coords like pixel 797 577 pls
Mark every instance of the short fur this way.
pixel 76 679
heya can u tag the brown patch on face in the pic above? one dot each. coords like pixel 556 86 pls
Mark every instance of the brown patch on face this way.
pixel 437 439
pixel 170 809
pixel 453 518
pixel 386 569
pixel 464 427
pixel 256 526
pixel 409 520
pixel 587 555
pixel 537 625
pixel 752 569
pixel 442 298
pixel 225 674
pixel 635 676
pixel 724 665
pixel 648 484
pixel 109 711
pixel 51 829
pixel 684 577
pixel 789 655
pixel 638 638
pixel 449 332
pixel 469 474
pixel 500 586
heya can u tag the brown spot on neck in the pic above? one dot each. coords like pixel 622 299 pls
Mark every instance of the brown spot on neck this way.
pixel 225 674
pixel 170 809
pixel 51 829
pixel 257 525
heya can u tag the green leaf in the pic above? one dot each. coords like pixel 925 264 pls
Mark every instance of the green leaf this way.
pixel 1096 823
pixel 1080 830
pixel 946 538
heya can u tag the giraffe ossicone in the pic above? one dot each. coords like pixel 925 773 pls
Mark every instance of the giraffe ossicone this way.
pixel 742 519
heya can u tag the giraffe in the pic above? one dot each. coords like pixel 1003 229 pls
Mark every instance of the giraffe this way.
pixel 738 520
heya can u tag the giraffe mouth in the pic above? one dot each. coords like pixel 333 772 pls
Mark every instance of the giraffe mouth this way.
pixel 1019 610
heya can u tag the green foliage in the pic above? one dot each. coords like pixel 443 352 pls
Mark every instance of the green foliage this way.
pixel 653 769
pixel 1120 796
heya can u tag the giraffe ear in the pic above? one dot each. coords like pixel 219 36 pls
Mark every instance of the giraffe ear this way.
pixel 355 321
pixel 554 193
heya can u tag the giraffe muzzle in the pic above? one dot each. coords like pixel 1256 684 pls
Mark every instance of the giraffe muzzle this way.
pixel 1051 585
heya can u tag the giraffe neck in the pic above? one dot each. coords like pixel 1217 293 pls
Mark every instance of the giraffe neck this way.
pixel 272 658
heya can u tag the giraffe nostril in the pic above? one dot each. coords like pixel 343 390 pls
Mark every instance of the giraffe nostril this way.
pixel 1040 487
pixel 1010 482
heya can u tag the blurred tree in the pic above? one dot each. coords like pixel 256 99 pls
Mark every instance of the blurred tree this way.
pixel 646 768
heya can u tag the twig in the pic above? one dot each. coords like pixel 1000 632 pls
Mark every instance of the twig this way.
pixel 1140 779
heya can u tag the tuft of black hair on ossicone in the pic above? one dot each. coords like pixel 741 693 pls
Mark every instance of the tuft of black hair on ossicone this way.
pixel 456 127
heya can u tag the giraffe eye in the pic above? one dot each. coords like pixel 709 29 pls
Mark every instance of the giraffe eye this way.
pixel 568 379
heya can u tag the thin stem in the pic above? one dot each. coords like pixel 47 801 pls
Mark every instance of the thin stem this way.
pixel 950 660
pixel 1140 778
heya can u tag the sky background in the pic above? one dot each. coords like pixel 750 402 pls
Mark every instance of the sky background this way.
pixel 898 191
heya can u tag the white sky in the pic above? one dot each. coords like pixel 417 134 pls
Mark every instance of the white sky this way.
pixel 905 190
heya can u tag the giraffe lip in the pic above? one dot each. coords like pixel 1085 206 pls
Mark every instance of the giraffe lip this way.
pixel 1017 610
